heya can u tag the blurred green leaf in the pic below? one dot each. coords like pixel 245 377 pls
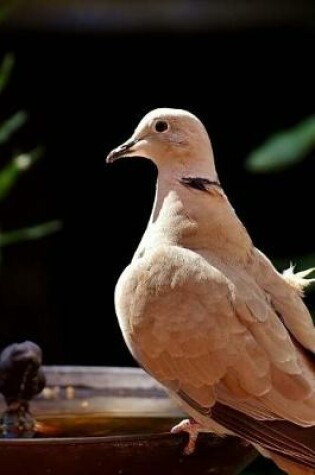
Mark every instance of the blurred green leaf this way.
pixel 283 149
pixel 18 165
pixel 4 12
pixel 11 125
pixel 10 173
pixel 28 234
pixel 6 68
pixel 7 8
pixel 306 262
pixel 301 262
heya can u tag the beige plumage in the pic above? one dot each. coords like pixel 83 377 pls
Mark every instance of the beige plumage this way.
pixel 206 313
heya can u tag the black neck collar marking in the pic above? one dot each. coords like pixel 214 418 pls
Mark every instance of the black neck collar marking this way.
pixel 201 184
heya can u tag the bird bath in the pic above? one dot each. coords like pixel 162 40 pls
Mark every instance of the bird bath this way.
pixel 97 421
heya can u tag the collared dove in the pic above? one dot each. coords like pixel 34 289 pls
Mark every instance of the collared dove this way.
pixel 207 314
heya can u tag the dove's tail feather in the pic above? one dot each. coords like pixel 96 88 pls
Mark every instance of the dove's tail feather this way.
pixel 293 443
pixel 290 467
pixel 297 280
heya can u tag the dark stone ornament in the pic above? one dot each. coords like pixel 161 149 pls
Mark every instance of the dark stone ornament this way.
pixel 21 378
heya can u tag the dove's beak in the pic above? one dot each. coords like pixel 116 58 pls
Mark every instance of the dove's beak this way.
pixel 123 150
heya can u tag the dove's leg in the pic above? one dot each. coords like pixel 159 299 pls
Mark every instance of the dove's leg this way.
pixel 193 428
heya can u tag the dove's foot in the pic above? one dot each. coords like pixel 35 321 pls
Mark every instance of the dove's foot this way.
pixel 192 428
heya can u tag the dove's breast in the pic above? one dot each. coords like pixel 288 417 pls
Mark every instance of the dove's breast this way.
pixel 129 300
pixel 141 283
pixel 154 294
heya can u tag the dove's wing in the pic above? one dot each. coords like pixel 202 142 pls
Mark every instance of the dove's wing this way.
pixel 211 342
pixel 286 301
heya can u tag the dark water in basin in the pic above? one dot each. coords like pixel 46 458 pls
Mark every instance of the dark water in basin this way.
pixel 98 425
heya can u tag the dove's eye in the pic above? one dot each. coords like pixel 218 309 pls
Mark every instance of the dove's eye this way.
pixel 161 126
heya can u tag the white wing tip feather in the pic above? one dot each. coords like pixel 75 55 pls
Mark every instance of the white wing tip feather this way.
pixel 297 280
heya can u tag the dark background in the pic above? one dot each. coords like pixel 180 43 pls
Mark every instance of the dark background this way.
pixel 85 92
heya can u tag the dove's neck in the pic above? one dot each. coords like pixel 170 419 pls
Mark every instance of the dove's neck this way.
pixel 199 220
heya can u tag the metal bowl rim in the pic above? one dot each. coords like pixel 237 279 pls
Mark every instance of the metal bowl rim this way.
pixel 121 439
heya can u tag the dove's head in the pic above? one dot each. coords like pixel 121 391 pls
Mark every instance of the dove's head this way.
pixel 171 138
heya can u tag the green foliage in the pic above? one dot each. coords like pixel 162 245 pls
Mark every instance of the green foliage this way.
pixel 8 6
pixel 6 68
pixel 284 149
pixel 306 262
pixel 11 125
pixel 280 151
pixel 4 12
pixel 301 262
pixel 29 234
pixel 17 166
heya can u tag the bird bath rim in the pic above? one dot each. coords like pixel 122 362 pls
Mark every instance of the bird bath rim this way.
pixel 117 390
